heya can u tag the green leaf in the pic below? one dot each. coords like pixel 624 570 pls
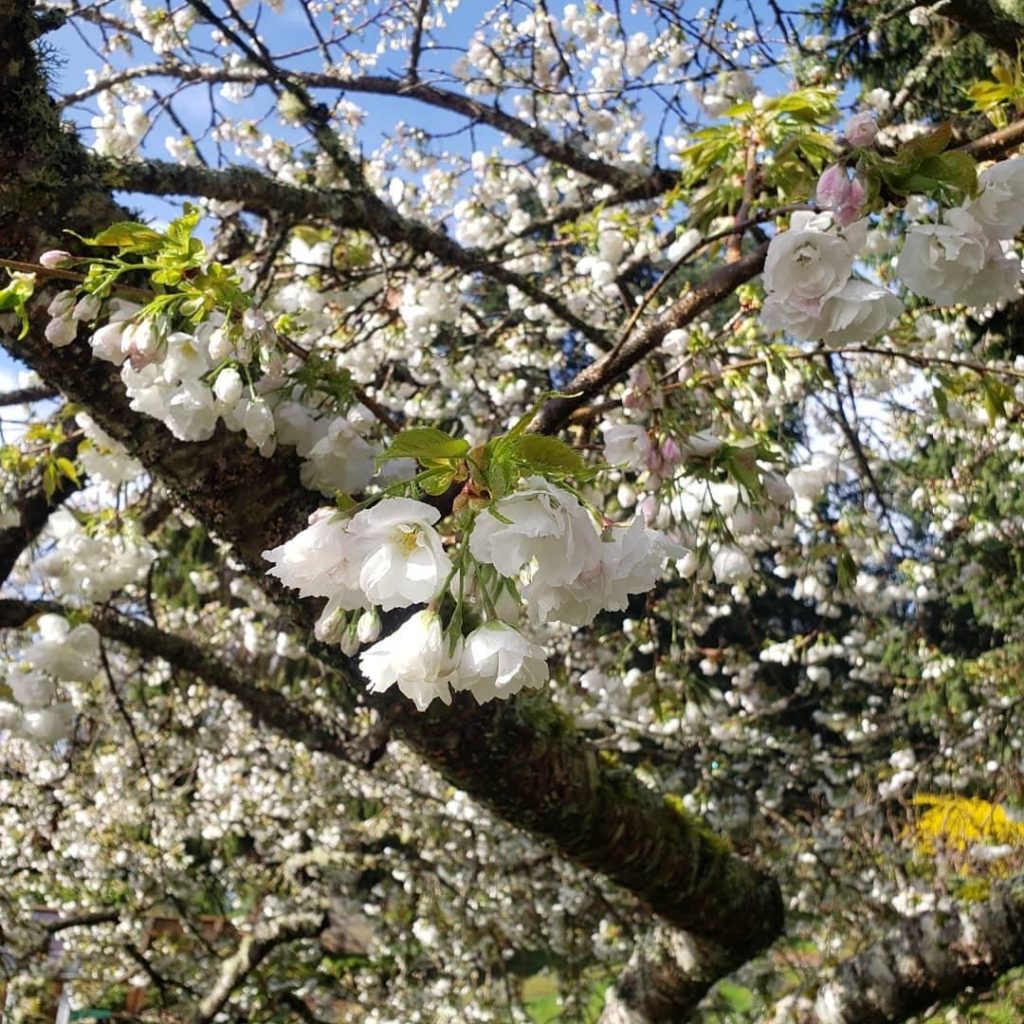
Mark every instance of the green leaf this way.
pixel 425 443
pixel 544 454
pixel 180 229
pixel 996 397
pixel 128 236
pixel 846 570
pixel 49 480
pixel 955 168
pixel 14 297
pixel 989 94
pixel 67 467
pixel 812 105
pixel 436 481
pixel 169 275
pixel 912 153
pixel 501 474
pixel 179 234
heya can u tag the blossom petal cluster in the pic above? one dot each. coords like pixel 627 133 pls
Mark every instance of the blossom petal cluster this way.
pixel 62 654
pixel 811 292
pixel 388 555
pixel 965 258
pixel 538 541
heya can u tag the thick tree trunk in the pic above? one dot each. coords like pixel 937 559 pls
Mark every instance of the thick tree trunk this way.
pixel 925 959
pixel 999 22
pixel 667 975
pixel 519 757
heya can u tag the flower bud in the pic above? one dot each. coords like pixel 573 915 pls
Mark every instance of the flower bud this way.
pixel 332 625
pixel 368 627
pixel 349 642
pixel 776 488
pixel 221 345
pixel 838 193
pixel 62 304
pixel 228 386
pixel 255 324
pixel 106 343
pixel 731 564
pixel 258 421
pixel 54 258
pixel 140 342
pixel 61 332
pixel 861 129
pixel 87 308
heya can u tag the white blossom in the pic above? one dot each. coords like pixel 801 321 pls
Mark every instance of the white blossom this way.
pixel 626 444
pixel 542 529
pixel 731 564
pixel 498 661
pixel 316 561
pixel 416 657
pixel 401 558
pixel 857 312
pixel 999 208
pixel 955 262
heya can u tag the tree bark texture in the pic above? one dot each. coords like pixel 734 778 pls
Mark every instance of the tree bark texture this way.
pixel 668 974
pixel 925 959
pixel 999 22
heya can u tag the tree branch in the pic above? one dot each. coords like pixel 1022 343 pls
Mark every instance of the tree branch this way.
pixel 999 22
pixel 251 952
pixel 23 396
pixel 351 208
pixel 925 959
pixel 616 364
pixel 597 816
pixel 594 814
pixel 532 137
pixel 276 711
pixel 668 974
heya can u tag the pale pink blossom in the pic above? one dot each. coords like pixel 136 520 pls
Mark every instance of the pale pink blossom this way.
pixel 861 129
pixel 841 194
pixel 54 258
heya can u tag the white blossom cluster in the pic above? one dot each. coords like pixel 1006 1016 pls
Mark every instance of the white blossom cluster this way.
pixel 537 546
pixel 191 381
pixel 89 565
pixel 967 257
pixel 810 290
pixel 803 719
pixel 59 656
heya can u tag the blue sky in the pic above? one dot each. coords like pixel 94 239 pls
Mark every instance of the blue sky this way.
pixel 284 32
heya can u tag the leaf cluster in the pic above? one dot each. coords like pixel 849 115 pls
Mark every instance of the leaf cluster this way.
pixel 490 470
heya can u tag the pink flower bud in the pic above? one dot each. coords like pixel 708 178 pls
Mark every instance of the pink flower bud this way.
pixel 670 453
pixel 833 187
pixel 861 129
pixel 838 193
pixel 140 342
pixel 54 258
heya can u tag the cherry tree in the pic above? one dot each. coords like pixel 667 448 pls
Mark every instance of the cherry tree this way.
pixel 509 514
